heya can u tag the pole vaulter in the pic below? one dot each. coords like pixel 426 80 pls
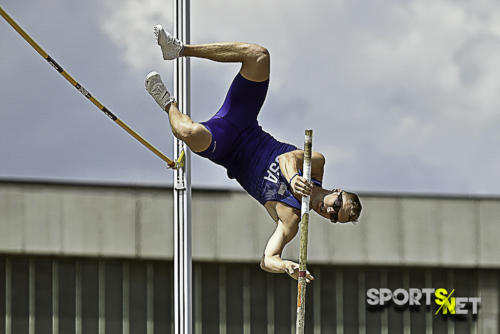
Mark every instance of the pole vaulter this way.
pixel 269 170
pixel 86 93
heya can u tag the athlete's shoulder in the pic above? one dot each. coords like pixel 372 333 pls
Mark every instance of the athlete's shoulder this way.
pixel 287 214
pixel 282 212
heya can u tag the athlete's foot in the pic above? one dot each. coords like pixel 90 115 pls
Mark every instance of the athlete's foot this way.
pixel 158 91
pixel 171 47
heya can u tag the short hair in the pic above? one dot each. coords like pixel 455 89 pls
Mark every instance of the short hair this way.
pixel 352 202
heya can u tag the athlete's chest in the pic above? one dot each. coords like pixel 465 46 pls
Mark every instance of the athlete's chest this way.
pixel 275 188
pixel 273 172
pixel 275 185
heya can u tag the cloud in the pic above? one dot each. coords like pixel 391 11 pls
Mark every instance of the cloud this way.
pixel 402 95
pixel 130 25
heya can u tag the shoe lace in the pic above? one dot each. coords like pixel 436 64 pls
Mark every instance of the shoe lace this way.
pixel 171 39
pixel 177 42
pixel 158 91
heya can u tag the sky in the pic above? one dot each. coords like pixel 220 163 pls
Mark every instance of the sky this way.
pixel 403 96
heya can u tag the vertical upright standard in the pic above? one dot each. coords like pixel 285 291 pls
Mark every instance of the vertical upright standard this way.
pixel 304 226
pixel 182 185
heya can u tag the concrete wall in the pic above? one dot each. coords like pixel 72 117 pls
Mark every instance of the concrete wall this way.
pixel 128 221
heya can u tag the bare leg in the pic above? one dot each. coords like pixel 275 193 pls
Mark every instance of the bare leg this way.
pixel 195 135
pixel 254 58
pixel 255 67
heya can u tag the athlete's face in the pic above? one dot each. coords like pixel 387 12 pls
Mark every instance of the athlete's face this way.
pixel 332 207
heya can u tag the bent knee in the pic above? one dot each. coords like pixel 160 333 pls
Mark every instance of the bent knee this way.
pixel 195 135
pixel 256 64
pixel 256 53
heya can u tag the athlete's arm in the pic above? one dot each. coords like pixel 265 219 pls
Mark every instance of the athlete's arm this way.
pixel 271 260
pixel 293 161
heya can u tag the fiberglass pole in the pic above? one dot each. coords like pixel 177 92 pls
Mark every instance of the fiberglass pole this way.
pixel 81 89
pixel 304 226
pixel 182 185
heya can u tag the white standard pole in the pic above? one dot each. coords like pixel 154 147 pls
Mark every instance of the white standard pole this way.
pixel 182 185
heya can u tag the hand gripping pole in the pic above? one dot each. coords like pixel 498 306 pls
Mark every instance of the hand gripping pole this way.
pixel 81 89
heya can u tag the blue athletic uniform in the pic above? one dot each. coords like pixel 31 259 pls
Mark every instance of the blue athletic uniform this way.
pixel 249 154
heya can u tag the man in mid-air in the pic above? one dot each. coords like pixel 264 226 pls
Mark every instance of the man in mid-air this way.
pixel 269 170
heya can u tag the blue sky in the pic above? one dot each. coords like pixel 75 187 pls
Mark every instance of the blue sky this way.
pixel 402 95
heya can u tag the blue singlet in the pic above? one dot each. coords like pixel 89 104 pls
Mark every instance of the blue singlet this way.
pixel 249 154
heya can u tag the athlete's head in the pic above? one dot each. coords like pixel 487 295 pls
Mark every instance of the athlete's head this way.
pixel 340 206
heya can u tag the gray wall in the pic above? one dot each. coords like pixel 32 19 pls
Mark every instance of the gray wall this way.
pixel 136 222
pixel 117 296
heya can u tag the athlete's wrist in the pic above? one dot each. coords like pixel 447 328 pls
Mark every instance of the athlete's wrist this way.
pixel 293 176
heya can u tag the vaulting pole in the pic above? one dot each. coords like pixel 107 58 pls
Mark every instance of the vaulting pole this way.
pixel 304 226
pixel 82 90
pixel 182 185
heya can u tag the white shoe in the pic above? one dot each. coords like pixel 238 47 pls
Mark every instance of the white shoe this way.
pixel 157 90
pixel 171 47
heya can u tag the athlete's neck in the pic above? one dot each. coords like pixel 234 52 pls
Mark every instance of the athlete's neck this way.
pixel 317 195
